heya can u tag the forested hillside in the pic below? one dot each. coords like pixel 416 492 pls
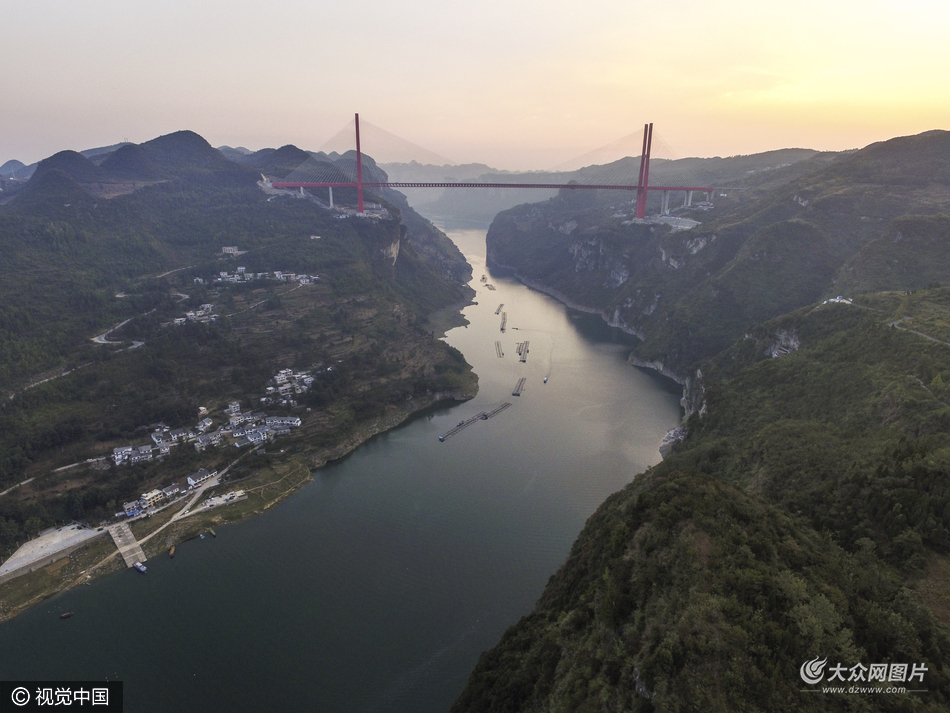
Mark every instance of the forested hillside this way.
pixel 807 514
pixel 136 239
pixel 690 293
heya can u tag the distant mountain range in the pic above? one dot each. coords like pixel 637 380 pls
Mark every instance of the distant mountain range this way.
pixel 479 206
pixel 777 240
pixel 17 169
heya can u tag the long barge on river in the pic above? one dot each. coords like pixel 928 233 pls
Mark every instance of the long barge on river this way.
pixel 519 387
pixel 482 416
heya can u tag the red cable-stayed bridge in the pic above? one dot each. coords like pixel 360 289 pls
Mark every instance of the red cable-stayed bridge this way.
pixel 642 187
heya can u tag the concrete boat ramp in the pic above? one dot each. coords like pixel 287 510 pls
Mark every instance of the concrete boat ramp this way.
pixel 128 546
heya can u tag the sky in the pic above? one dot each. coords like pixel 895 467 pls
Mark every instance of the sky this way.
pixel 516 84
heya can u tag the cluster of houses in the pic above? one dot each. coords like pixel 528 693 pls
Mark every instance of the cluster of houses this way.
pixel 247 428
pixel 158 496
pixel 163 439
pixel 285 384
pixel 253 428
pixel 242 275
pixel 204 314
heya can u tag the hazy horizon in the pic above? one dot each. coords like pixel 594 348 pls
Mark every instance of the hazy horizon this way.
pixel 528 86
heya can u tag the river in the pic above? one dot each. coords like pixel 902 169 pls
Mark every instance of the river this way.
pixel 377 586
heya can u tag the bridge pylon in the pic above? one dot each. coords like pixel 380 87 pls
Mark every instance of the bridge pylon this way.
pixel 644 180
pixel 359 168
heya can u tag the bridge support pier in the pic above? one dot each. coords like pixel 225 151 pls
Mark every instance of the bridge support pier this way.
pixel 665 203
pixel 331 195
pixel 688 201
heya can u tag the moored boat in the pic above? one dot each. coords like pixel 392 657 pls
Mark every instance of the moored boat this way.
pixel 65 615
pixel 140 567
pixel 171 552
pixel 213 533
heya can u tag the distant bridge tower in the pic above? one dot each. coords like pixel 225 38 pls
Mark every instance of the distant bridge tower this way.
pixel 359 168
pixel 644 180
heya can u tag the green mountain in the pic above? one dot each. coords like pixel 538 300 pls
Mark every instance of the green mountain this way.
pixel 73 164
pixel 910 254
pixel 187 152
pixel 234 153
pixel 131 162
pixel 55 193
pixel 277 162
pixel 806 514
pixel 12 168
pixel 769 247
pixel 78 262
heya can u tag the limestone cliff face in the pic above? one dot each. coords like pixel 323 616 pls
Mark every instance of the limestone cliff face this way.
pixel 391 252
pixel 618 269
pixel 430 242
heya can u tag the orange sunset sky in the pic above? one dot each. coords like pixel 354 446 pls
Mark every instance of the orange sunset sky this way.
pixel 515 84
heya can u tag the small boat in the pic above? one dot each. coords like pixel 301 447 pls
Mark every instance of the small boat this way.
pixel 202 535
pixel 140 567
pixel 171 552
pixel 545 379
pixel 65 615
pixel 213 533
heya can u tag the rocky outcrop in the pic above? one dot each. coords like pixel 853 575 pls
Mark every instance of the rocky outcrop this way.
pixel 430 242
pixel 784 341
pixel 392 251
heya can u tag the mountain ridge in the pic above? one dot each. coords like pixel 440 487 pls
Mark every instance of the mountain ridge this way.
pixel 678 288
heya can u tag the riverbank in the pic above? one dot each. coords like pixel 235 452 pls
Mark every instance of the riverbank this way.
pixel 448 318
pixel 268 486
